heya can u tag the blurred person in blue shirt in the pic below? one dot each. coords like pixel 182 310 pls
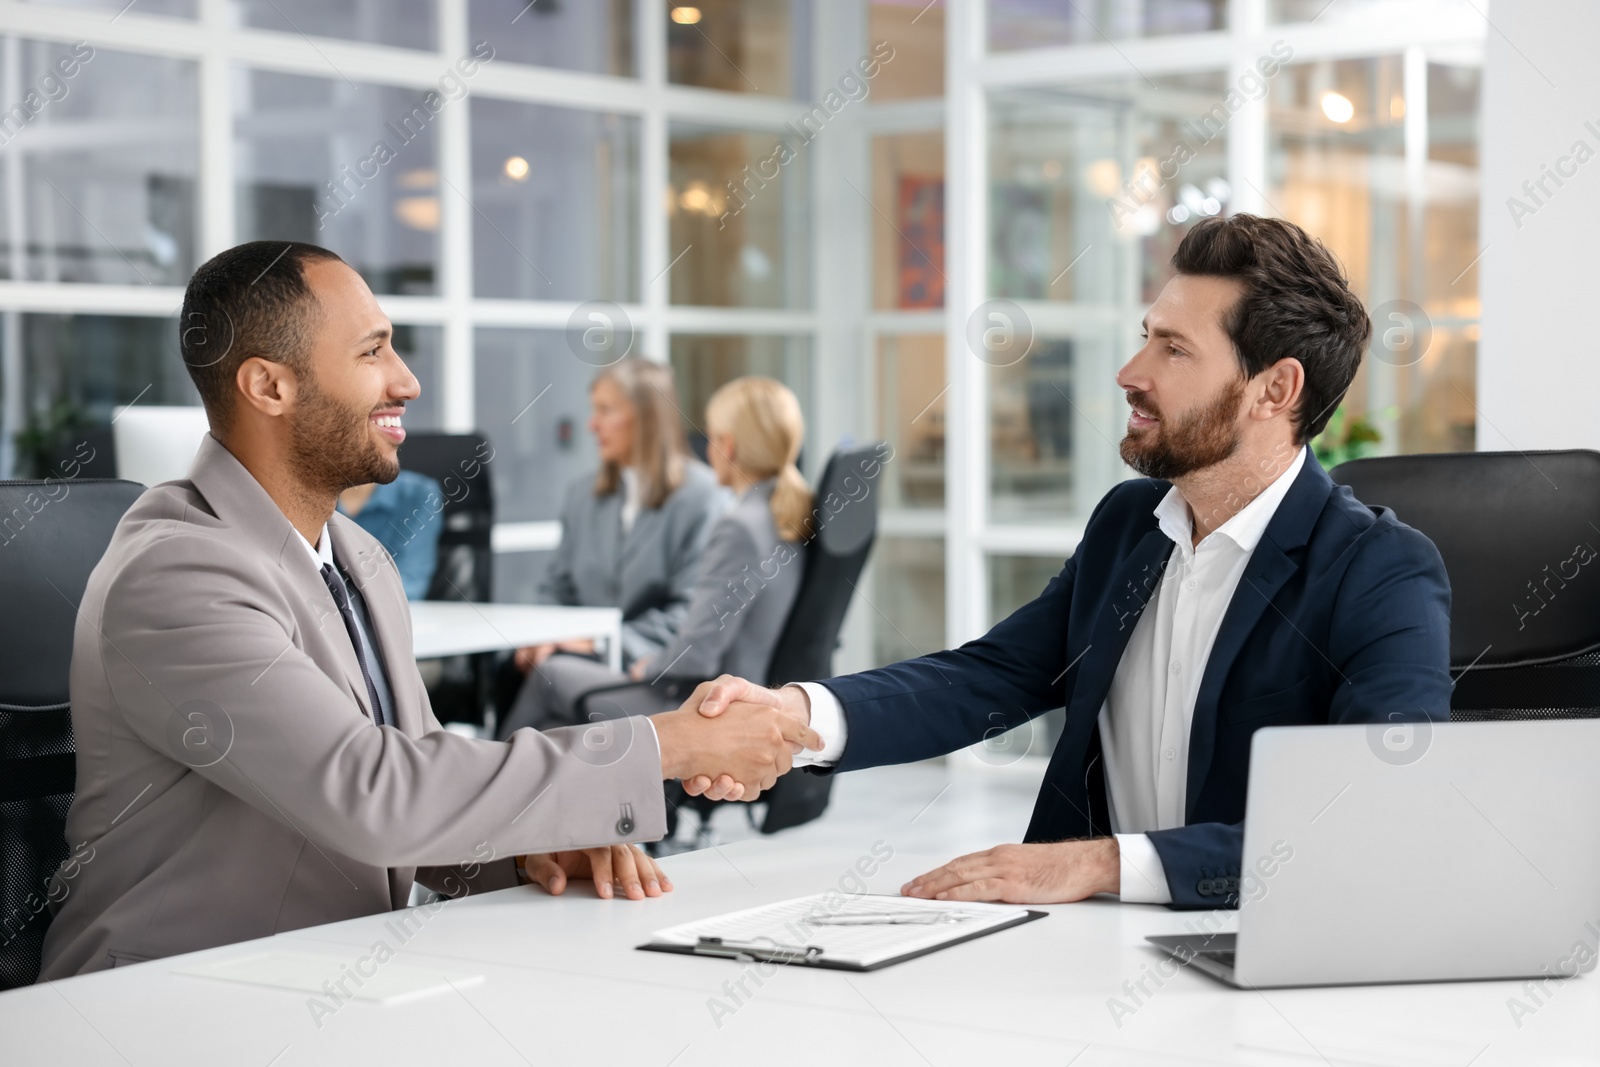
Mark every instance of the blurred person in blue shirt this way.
pixel 406 516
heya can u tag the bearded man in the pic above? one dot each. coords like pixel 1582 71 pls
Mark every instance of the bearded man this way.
pixel 1233 587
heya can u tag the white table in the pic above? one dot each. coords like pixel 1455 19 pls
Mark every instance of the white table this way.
pixel 562 983
pixel 455 628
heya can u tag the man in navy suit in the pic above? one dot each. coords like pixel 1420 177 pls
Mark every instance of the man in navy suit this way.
pixel 1233 587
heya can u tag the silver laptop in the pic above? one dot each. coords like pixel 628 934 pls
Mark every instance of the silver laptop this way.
pixel 1412 853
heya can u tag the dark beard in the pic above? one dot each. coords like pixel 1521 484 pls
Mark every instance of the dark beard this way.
pixel 1203 438
pixel 331 446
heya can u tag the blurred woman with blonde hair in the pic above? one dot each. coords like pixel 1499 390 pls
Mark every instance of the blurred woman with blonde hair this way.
pixel 750 572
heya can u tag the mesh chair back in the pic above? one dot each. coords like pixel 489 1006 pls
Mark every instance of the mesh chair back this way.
pixel 1520 537
pixel 464 569
pixel 460 464
pixel 52 533
pixel 846 525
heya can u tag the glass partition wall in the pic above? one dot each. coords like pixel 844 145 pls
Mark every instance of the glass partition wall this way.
pixel 497 170
pixel 1083 142
pixel 843 195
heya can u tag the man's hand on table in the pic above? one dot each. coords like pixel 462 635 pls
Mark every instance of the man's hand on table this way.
pixel 625 867
pixel 1056 873
pixel 732 739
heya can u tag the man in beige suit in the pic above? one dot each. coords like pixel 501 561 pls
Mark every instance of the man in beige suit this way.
pixel 256 752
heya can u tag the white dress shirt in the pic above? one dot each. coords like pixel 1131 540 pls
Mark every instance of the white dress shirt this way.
pixel 630 498
pixel 1144 723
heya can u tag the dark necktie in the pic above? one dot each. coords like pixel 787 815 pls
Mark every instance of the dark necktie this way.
pixel 341 597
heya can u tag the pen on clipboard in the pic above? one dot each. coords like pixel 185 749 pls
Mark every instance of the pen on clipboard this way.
pixel 747 950
pixel 890 918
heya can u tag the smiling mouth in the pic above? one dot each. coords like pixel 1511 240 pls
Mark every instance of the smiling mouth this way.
pixel 388 424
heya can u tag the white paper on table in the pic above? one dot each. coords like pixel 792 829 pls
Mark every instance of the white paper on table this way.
pixel 812 921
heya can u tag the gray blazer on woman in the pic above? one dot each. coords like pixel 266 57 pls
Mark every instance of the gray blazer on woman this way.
pixel 749 578
pixel 649 572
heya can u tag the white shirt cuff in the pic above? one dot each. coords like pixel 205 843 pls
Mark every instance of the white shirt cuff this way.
pixel 827 719
pixel 1144 879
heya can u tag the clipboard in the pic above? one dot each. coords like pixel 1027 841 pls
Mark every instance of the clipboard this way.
pixel 815 954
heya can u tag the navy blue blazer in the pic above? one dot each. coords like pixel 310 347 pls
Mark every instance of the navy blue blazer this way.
pixel 1342 616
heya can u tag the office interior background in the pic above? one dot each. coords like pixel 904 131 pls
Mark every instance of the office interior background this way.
pixel 728 177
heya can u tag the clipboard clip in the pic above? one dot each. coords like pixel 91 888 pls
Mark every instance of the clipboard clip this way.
pixel 751 952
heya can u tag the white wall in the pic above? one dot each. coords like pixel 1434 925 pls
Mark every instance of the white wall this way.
pixel 1538 362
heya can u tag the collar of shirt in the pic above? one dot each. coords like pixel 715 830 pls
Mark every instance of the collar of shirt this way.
pixel 1244 529
pixel 323 552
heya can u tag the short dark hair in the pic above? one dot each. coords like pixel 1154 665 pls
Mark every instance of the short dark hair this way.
pixel 250 301
pixel 1297 304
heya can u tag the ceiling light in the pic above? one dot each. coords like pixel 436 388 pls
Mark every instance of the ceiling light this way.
pixel 686 16
pixel 696 197
pixel 1338 107
pixel 516 168
pixel 418 212
pixel 1103 176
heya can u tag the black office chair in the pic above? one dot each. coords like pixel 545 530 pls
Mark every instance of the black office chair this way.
pixel 465 570
pixel 1520 537
pixel 835 553
pixel 88 453
pixel 52 533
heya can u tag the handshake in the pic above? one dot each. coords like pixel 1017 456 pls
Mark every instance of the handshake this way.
pixel 732 739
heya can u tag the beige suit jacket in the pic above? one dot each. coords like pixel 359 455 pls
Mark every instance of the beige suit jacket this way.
pixel 231 783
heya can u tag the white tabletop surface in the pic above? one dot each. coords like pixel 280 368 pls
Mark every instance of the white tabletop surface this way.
pixel 455 628
pixel 562 983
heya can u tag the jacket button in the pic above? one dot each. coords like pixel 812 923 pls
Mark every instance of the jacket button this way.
pixel 1203 887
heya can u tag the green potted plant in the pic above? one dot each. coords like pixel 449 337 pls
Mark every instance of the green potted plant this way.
pixel 1344 438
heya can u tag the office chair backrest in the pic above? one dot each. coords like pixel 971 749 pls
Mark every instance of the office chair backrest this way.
pixel 846 519
pixel 89 452
pixel 52 533
pixel 1520 537
pixel 846 522
pixel 460 464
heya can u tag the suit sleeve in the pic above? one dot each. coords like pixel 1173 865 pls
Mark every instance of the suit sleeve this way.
pixel 654 628
pixel 224 667
pixel 483 875
pixel 926 707
pixel 557 586
pixel 712 621
pixel 1389 642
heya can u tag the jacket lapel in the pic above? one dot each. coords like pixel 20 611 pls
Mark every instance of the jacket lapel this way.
pixel 1064 804
pixel 235 496
pixel 1134 587
pixel 372 572
pixel 1273 563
